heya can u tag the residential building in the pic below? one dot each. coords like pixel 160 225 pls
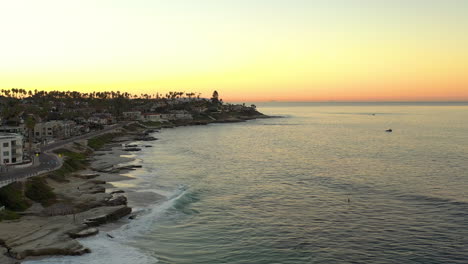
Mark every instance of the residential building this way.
pixel 182 115
pixel 20 129
pixel 177 115
pixel 54 129
pixel 102 119
pixel 152 117
pixel 134 115
pixel 11 148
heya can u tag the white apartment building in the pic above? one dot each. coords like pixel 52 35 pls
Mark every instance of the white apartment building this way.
pixel 11 148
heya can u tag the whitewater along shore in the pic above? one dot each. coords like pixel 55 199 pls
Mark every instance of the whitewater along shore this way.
pixel 83 199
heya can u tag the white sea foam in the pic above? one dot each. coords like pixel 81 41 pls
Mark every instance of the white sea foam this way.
pixel 119 249
pixel 146 220
pixel 104 250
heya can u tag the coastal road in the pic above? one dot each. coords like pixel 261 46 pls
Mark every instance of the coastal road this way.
pixel 48 161
pixel 63 142
pixel 44 163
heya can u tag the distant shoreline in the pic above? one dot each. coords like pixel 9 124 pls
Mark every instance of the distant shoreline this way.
pixel 351 103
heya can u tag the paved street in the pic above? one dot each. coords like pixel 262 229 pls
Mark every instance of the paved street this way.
pixel 60 143
pixel 48 161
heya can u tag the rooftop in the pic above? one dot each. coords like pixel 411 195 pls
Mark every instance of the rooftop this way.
pixel 9 135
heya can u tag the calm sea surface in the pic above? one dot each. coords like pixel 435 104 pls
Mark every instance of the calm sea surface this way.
pixel 277 190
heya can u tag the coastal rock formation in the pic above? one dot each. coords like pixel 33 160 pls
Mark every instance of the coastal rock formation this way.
pixel 97 182
pixel 4 259
pixel 229 120
pixel 54 235
pixel 146 138
pixel 112 169
pixel 109 214
pixel 90 201
pixel 118 200
pixel 132 149
pixel 41 247
pixel 132 216
pixel 84 233
pixel 37 236
pixel 86 176
pixel 97 189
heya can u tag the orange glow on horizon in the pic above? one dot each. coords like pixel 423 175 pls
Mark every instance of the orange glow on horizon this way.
pixel 247 50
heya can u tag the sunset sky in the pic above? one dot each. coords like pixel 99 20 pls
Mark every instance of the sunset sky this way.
pixel 248 50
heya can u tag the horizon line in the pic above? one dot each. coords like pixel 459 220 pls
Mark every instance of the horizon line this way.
pixel 289 101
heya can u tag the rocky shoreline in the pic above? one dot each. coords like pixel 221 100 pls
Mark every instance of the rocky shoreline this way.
pixel 54 230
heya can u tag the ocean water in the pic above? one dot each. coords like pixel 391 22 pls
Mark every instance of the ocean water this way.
pixel 324 184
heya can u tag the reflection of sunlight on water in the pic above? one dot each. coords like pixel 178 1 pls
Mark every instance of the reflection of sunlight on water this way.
pixel 276 190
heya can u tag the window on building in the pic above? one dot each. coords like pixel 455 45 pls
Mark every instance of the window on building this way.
pixel 6 161
pixel 6 153
pixel 5 145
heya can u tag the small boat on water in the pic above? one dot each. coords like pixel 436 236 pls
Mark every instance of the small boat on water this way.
pixel 389 130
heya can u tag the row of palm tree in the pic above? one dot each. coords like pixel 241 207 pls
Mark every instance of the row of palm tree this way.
pixel 22 94
pixel 15 92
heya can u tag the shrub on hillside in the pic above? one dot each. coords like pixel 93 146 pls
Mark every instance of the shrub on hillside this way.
pixel 11 196
pixel 8 215
pixel 99 141
pixel 38 191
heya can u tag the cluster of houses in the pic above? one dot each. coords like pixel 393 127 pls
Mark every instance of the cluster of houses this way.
pixel 155 117
pixel 15 138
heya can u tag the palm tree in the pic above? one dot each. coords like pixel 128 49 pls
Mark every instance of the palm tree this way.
pixel 30 124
